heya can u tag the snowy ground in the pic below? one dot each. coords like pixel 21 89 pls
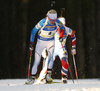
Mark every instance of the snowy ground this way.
pixel 82 85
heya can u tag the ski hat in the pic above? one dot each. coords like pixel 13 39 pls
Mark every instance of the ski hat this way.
pixel 52 15
pixel 62 19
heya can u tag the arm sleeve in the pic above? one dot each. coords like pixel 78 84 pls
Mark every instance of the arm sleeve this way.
pixel 73 36
pixel 33 32
pixel 61 33
pixel 62 28
pixel 35 29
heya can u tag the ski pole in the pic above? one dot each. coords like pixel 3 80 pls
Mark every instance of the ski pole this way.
pixel 29 64
pixel 67 63
pixel 75 68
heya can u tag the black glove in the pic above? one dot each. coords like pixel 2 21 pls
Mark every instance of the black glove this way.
pixel 31 46
pixel 61 39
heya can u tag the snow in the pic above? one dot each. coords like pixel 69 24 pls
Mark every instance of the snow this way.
pixel 82 85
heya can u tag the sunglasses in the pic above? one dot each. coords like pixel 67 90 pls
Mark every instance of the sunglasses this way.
pixel 52 20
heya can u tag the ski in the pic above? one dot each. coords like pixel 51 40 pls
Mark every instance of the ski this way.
pixel 26 83
pixel 41 83
pixel 53 82
pixel 15 84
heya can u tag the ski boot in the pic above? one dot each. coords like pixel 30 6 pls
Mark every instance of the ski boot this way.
pixel 64 79
pixel 48 77
pixel 31 80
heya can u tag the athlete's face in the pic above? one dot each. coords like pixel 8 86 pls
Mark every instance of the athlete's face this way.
pixel 52 22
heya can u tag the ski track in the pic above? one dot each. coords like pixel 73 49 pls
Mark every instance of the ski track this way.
pixel 82 85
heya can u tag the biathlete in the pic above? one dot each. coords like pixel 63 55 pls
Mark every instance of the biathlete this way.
pixel 46 29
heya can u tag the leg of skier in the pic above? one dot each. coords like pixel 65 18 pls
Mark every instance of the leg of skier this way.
pixel 48 61
pixel 38 52
pixel 44 68
pixel 64 69
pixel 34 69
pixel 49 68
pixel 47 65
pixel 50 65
pixel 59 51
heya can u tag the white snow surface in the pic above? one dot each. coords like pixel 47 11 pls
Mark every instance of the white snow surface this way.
pixel 82 85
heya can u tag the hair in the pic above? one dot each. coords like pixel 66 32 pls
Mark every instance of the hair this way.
pixel 52 11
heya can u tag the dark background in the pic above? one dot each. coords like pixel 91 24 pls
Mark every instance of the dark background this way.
pixel 18 17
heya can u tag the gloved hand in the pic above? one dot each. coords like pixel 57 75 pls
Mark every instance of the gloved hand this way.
pixel 31 46
pixel 61 39
pixel 73 51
